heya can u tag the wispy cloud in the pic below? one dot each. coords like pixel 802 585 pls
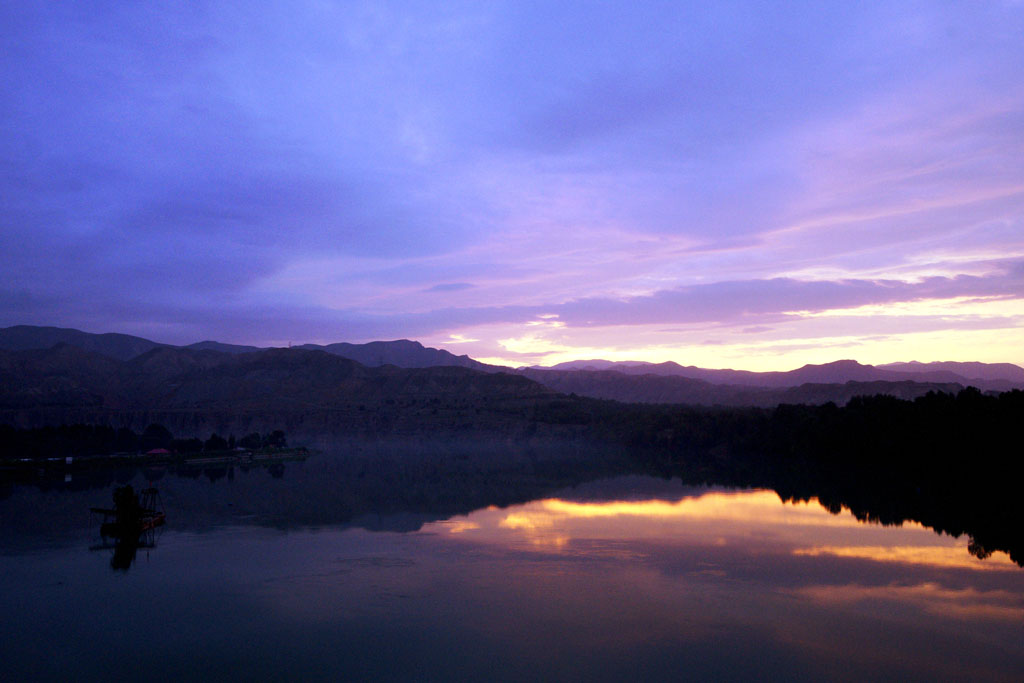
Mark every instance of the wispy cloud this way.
pixel 449 287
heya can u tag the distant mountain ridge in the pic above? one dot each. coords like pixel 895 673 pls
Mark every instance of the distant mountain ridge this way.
pixel 627 381
pixel 617 386
pixel 222 347
pixel 112 345
pixel 191 390
pixel 412 354
pixel 985 376
pixel 402 352
pixel 973 370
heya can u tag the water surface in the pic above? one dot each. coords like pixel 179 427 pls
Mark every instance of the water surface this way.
pixel 325 570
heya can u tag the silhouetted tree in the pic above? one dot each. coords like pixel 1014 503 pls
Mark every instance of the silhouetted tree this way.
pixel 251 441
pixel 155 436
pixel 216 442
pixel 192 445
pixel 125 441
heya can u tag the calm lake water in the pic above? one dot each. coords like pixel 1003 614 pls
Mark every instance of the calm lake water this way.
pixel 328 570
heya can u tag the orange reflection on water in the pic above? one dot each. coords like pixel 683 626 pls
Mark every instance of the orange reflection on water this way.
pixel 759 506
pixel 458 526
pixel 518 521
pixel 757 521
pixel 935 556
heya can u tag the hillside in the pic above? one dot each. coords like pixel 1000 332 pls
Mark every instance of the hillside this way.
pixel 988 377
pixel 302 391
pixel 405 353
pixel 402 352
pixel 980 371
pixel 171 378
pixel 118 346
pixel 63 367
pixel 617 386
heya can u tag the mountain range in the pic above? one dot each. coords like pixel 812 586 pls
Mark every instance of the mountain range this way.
pixel 987 376
pixel 197 391
pixel 57 367
pixel 617 386
pixel 402 353
pixel 169 378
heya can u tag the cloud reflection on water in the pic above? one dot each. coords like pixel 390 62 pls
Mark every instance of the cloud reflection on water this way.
pixel 749 519
pixel 964 603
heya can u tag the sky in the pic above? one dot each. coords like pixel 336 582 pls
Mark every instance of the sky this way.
pixel 755 185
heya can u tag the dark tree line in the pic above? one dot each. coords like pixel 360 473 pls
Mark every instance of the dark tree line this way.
pixel 84 440
pixel 969 431
pixel 954 463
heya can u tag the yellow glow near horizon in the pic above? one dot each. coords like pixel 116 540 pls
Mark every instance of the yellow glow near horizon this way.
pixel 988 330
pixel 715 518
pixel 1005 345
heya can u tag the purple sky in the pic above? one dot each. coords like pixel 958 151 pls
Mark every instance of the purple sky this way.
pixel 731 184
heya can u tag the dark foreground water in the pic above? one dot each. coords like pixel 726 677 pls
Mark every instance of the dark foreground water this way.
pixel 334 570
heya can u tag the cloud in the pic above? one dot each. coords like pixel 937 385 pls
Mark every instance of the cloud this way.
pixel 450 287
pixel 722 303
pixel 778 297
pixel 323 171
